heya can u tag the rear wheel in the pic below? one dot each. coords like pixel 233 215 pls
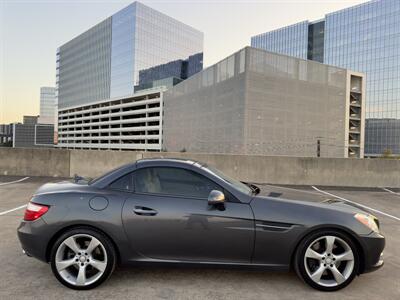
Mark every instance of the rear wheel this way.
pixel 82 258
pixel 327 260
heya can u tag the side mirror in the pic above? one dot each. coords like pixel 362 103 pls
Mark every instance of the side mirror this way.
pixel 216 197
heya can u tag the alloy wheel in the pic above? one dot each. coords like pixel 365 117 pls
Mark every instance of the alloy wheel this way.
pixel 81 259
pixel 329 261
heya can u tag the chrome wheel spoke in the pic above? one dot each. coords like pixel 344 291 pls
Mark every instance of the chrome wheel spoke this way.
pixel 316 276
pixel 99 265
pixel 326 273
pixel 81 278
pixel 310 253
pixel 63 264
pixel 71 244
pixel 337 275
pixel 92 245
pixel 73 267
pixel 330 241
pixel 348 255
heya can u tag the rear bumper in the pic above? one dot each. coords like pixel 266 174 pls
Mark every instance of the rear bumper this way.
pixel 33 238
pixel 373 246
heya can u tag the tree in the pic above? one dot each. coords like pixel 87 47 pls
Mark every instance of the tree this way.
pixel 387 153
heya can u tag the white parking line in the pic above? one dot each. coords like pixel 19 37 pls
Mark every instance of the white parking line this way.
pixel 15 181
pixel 356 203
pixel 11 210
pixel 16 208
pixel 387 190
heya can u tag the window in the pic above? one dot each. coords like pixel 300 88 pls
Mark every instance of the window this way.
pixel 123 184
pixel 106 175
pixel 173 181
pixel 233 182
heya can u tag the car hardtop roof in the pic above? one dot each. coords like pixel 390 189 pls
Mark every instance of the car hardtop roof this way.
pixel 167 161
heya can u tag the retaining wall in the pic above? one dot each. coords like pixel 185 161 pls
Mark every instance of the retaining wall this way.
pixel 261 169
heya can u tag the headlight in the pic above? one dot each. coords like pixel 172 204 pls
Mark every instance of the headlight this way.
pixel 368 221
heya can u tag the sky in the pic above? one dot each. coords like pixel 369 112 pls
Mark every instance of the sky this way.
pixel 32 30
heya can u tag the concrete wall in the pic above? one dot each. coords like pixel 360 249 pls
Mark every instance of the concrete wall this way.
pixel 34 162
pixel 293 103
pixel 302 170
pixel 93 163
pixel 206 113
pixel 256 102
pixel 261 169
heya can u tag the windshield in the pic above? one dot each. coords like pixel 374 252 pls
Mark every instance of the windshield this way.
pixel 92 181
pixel 233 182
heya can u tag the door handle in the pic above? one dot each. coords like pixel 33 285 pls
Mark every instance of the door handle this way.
pixel 144 211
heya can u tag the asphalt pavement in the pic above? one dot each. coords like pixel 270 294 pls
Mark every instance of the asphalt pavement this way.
pixel 22 277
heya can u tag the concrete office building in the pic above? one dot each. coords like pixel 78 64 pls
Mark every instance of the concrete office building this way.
pixel 28 134
pixel 33 135
pixel 30 120
pixel 364 38
pixel 261 103
pixel 104 62
pixel 5 134
pixel 123 123
pixel 47 105
pixel 110 79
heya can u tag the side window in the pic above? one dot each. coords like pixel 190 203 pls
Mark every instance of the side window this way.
pixel 173 181
pixel 124 183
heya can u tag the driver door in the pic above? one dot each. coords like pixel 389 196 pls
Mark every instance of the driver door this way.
pixel 168 218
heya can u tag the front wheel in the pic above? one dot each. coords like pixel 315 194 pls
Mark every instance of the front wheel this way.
pixel 327 260
pixel 82 258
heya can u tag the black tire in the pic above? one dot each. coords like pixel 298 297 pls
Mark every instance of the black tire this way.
pixel 299 264
pixel 110 254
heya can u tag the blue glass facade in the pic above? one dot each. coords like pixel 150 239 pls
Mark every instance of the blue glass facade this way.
pixel 122 52
pixel 194 64
pixel 316 39
pixel 160 39
pixel 105 61
pixel 181 69
pixel 291 40
pixel 171 69
pixel 83 67
pixel 364 38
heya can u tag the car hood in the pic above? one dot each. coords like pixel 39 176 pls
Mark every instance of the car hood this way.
pixel 332 204
pixel 345 205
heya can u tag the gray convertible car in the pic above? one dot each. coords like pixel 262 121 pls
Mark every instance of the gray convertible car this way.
pixel 185 212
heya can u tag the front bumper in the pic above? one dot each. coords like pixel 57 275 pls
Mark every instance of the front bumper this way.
pixel 373 245
pixel 33 237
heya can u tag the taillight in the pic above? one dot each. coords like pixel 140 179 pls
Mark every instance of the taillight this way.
pixel 35 211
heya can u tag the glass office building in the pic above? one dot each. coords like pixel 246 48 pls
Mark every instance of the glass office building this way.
pixel 291 40
pixel 105 61
pixel 47 105
pixel 364 38
pixel 170 73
